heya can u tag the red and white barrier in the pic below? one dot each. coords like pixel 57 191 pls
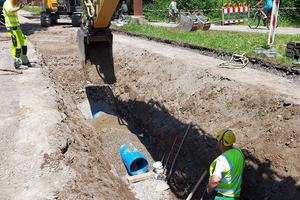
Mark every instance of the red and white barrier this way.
pixel 273 21
pixel 234 21
pixel 234 10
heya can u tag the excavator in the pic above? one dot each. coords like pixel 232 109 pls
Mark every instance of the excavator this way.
pixel 94 38
pixel 54 9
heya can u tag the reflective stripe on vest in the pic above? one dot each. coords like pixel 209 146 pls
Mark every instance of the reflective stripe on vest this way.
pixel 233 161
pixel 11 19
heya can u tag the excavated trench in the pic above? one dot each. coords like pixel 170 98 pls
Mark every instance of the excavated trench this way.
pixel 157 93
pixel 155 98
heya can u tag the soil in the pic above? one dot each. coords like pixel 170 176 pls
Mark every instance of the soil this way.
pixel 160 87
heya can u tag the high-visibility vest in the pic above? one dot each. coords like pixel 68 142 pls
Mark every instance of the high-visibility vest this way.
pixel 11 19
pixel 230 184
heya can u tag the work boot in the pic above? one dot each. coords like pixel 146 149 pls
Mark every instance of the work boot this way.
pixel 265 21
pixel 17 63
pixel 27 63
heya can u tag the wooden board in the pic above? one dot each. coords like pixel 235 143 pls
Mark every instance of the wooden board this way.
pixel 140 177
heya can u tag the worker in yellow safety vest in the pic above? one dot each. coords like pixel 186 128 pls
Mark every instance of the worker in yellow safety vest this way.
pixel 18 40
pixel 226 170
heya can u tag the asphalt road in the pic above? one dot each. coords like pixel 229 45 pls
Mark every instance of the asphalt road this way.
pixel 28 124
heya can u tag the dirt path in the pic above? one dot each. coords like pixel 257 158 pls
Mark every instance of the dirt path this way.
pixel 160 88
pixel 28 133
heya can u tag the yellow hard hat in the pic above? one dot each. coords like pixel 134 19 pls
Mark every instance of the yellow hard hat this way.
pixel 226 136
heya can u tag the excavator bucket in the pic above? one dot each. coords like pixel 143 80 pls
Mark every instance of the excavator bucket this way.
pixel 187 22
pixel 96 56
pixel 94 39
pixel 204 22
pixel 193 22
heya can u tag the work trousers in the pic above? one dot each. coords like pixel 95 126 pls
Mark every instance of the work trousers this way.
pixel 18 43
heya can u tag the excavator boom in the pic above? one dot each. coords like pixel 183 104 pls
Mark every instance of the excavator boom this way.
pixel 104 12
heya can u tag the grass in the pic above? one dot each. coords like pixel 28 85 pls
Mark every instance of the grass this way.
pixel 229 41
pixel 34 9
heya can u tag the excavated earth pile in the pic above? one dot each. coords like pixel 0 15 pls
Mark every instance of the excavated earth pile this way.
pixel 159 89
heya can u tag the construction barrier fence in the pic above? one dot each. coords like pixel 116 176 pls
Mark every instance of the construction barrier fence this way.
pixel 195 10
pixel 241 11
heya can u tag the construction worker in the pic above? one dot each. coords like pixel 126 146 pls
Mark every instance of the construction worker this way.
pixel 18 40
pixel 226 170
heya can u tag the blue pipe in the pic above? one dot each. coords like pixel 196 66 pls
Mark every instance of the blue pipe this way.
pixel 96 113
pixel 135 162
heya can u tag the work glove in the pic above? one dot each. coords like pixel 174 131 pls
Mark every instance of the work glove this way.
pixel 207 195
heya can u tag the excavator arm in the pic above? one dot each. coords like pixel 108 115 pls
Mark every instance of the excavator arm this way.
pixel 94 38
pixel 101 11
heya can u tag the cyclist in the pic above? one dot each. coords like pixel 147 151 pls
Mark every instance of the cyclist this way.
pixel 268 5
pixel 174 7
pixel 124 9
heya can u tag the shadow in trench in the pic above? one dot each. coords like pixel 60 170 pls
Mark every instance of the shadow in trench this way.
pixel 197 152
pixel 99 53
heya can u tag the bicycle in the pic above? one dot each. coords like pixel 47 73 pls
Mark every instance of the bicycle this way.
pixel 124 16
pixel 254 18
pixel 175 17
